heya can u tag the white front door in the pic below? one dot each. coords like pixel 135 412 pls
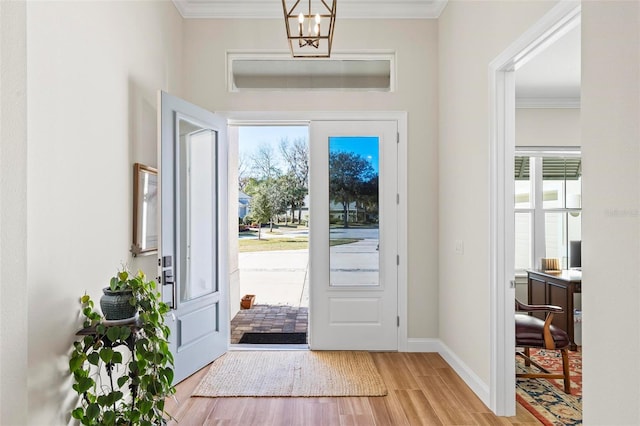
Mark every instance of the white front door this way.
pixel 193 243
pixel 354 235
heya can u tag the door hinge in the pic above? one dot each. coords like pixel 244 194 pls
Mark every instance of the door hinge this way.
pixel 398 137
pixel 397 198
pixel 398 320
pixel 398 259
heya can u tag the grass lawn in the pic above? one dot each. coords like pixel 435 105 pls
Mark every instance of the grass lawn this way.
pixel 270 244
pixel 298 243
pixel 289 226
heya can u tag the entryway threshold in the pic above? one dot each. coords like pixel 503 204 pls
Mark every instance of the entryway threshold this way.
pixel 258 347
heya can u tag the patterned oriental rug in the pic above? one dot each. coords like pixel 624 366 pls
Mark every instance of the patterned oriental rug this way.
pixel 545 399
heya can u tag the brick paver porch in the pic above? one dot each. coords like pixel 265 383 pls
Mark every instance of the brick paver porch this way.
pixel 269 318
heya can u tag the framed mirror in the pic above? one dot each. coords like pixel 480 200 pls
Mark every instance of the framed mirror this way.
pixel 145 210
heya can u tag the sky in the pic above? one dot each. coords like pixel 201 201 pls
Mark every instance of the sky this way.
pixel 365 146
pixel 252 137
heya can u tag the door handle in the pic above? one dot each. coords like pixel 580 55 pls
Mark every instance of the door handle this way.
pixel 168 282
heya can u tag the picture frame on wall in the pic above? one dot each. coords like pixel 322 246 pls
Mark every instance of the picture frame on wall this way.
pixel 145 210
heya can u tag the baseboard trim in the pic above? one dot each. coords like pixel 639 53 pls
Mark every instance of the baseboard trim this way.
pixel 480 388
pixel 424 345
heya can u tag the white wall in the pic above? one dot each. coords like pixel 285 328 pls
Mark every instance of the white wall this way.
pixel 415 42
pixel 13 219
pixel 611 218
pixel 548 127
pixel 93 71
pixel 471 35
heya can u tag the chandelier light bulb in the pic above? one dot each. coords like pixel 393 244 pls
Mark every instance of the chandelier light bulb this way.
pixel 310 38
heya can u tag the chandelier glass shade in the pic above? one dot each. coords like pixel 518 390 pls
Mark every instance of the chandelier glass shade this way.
pixel 310 25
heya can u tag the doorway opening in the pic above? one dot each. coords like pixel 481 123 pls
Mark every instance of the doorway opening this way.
pixel 270 295
pixel 560 20
pixel 391 307
pixel 548 213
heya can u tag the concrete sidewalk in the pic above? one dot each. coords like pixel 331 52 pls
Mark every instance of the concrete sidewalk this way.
pixel 276 277
pixel 355 264
pixel 282 277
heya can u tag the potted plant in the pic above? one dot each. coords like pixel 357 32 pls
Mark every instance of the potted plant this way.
pixel 118 302
pixel 135 357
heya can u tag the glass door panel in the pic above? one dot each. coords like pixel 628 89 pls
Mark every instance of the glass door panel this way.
pixel 354 236
pixel 197 217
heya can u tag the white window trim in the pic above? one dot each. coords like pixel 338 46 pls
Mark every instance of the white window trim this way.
pixel 383 55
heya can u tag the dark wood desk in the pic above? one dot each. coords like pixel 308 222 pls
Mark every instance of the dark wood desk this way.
pixel 556 288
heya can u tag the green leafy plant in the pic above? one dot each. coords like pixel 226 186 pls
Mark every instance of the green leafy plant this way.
pixel 134 391
pixel 124 280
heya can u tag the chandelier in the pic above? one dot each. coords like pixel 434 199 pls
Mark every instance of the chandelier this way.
pixel 310 31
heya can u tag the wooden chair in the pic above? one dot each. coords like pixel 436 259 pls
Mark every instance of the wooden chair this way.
pixel 532 332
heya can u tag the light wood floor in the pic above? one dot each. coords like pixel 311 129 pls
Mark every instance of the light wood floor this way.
pixel 423 390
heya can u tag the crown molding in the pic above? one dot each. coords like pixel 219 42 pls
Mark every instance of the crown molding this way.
pixel 347 9
pixel 568 102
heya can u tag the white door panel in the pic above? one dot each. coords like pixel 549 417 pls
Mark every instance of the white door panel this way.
pixel 353 266
pixel 193 252
pixel 355 311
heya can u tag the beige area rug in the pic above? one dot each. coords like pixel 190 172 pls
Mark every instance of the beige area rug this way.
pixel 292 373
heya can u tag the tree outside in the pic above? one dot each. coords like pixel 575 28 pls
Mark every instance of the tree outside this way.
pixel 353 182
pixel 296 156
pixel 267 201
pixel 276 180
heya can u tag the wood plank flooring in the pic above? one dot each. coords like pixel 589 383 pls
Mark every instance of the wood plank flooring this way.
pixel 423 390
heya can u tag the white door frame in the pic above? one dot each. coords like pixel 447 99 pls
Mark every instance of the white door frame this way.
pixel 556 23
pixel 239 118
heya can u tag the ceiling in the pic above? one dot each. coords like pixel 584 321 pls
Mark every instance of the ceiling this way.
pixel 346 8
pixel 552 78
